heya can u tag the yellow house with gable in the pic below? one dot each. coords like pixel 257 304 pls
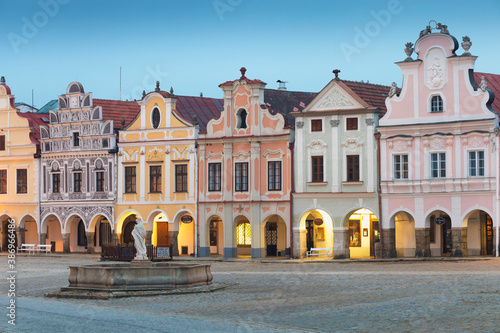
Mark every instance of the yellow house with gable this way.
pixel 19 169
pixel 157 172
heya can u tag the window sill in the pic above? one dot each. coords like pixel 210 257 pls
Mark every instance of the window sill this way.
pixel 317 183
pixel 181 192
pixel 353 183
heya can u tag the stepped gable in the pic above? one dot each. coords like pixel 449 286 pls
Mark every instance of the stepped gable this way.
pixel 116 110
pixel 35 120
pixel 205 109
pixel 285 102
pixel 493 81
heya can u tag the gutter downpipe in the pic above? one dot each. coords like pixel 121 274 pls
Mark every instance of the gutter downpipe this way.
pixel 497 236
pixel 197 207
pixel 379 194
pixel 291 146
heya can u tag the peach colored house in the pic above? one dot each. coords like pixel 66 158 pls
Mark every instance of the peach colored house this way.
pixel 245 165
pixel 439 158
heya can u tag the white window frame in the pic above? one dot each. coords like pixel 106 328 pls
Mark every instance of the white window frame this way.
pixel 345 124
pixel 401 171
pixel 429 103
pixel 439 163
pixel 469 173
pixel 322 125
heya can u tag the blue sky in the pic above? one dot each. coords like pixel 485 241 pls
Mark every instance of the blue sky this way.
pixel 194 46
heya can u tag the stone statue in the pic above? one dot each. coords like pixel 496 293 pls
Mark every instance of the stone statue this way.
pixel 443 28
pixel 483 83
pixel 426 31
pixel 392 92
pixel 139 233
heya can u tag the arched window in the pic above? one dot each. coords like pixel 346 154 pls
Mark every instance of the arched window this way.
pixel 242 118
pixel 82 237
pixel 243 234
pixel 437 104
pixel 155 118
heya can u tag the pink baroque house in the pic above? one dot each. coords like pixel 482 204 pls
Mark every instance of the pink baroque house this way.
pixel 439 158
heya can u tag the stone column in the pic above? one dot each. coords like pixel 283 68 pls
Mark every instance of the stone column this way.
pixel 388 243
pixel 422 242
pixel 149 236
pixel 298 248
pixel 43 238
pixel 20 236
pixel 66 242
pixel 173 239
pixel 90 242
pixel 341 244
pixel 459 242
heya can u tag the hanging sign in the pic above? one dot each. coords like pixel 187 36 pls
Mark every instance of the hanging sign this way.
pixel 318 221
pixel 440 220
pixel 187 219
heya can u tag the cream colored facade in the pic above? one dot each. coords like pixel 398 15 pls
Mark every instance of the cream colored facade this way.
pixel 19 171
pixel 157 147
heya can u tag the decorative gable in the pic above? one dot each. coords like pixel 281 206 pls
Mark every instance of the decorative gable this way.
pixel 335 97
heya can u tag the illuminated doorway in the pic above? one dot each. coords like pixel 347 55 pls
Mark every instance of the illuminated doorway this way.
pixel 364 233
pixel 216 236
pixel 243 238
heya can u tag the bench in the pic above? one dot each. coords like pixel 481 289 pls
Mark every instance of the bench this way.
pixel 319 251
pixel 44 248
pixel 30 248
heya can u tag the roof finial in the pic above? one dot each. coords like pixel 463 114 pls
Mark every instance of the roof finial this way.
pixel 2 80
pixel 201 94
pixel 336 72
pixel 172 91
pixel 243 70
pixel 157 86
pixel 143 93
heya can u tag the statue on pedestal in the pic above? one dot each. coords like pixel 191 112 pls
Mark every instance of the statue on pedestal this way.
pixel 139 233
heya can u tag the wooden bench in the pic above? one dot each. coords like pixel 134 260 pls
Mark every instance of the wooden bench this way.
pixel 30 248
pixel 319 251
pixel 43 248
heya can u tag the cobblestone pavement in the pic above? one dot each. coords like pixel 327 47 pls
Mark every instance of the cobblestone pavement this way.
pixel 439 296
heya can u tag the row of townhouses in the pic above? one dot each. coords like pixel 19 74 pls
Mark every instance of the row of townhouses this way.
pixel 363 169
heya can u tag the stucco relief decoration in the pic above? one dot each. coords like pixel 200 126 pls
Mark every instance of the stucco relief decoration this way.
pixel 65 146
pixel 213 155
pixel 86 212
pixel 335 99
pixel 95 129
pixel 400 146
pixel 274 152
pixel 75 116
pixel 98 164
pixel 334 122
pixel 299 124
pixel 474 141
pixel 436 76
pixel 317 147
pixel 438 144
pixel 85 115
pixel 86 144
pixel 76 166
pixel 352 146
pixel 130 155
pixel 155 154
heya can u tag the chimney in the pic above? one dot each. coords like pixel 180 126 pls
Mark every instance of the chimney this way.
pixel 282 85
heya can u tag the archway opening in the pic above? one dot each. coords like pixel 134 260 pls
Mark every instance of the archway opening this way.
pixel 185 239
pixel 161 235
pixel 5 232
pixel 77 234
pixel 127 227
pixel 404 226
pixel 479 233
pixel 364 233
pixel 216 236
pixel 103 234
pixel 274 237
pixel 243 238
pixel 440 233
pixel 30 230
pixel 53 234
pixel 316 231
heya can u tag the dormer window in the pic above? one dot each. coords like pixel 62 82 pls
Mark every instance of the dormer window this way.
pixel 155 118
pixel 242 118
pixel 437 104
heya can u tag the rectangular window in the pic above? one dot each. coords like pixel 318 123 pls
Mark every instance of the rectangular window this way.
pixel 241 177
pixel 181 178
pixel 352 168
pixel 3 181
pixel 99 181
pixel 438 165
pixel 355 233
pixel 476 163
pixel 2 142
pixel 214 176
pixel 76 139
pixel 352 124
pixel 22 180
pixel 274 176
pixel 56 183
pixel 77 182
pixel 316 125
pixel 130 179
pixel 400 164
pixel 155 179
pixel 317 169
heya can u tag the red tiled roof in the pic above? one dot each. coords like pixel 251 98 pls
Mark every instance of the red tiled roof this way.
pixel 372 94
pixel 493 81
pixel 116 110
pixel 205 109
pixel 35 121
pixel 285 102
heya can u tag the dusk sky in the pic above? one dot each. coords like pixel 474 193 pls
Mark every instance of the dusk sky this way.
pixel 194 46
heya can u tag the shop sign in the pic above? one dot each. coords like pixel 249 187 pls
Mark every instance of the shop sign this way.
pixel 187 219
pixel 440 220
pixel 162 252
pixel 318 221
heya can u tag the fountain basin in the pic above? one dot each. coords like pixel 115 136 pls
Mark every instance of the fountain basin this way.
pixel 139 275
